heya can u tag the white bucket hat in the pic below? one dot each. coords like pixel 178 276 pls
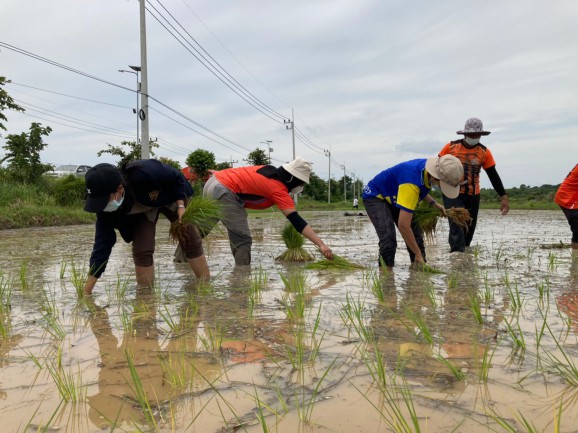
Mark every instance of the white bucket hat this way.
pixel 299 168
pixel 449 170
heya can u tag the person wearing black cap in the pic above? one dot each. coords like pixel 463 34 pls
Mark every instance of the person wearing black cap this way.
pixel 474 156
pixel 260 187
pixel 129 200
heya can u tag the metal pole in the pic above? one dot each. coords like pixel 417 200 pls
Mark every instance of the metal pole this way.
pixel 144 99
pixel 293 131
pixel 328 154
pixel 344 184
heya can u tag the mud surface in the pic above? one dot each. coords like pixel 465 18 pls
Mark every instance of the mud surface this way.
pixel 489 343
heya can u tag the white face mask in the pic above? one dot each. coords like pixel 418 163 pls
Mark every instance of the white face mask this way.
pixel 297 190
pixel 113 205
pixel 471 141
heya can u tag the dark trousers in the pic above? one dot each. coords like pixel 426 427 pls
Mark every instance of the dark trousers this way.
pixel 384 218
pixel 459 237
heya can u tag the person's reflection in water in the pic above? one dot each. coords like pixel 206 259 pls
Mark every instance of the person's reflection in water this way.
pixel 567 300
pixel 115 401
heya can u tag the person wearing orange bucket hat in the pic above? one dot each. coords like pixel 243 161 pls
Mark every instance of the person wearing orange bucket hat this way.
pixel 392 196
pixel 474 156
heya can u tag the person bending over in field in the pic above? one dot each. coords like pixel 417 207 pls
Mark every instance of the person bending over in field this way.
pixel 260 187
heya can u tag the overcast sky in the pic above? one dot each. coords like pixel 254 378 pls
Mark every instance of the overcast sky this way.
pixel 377 82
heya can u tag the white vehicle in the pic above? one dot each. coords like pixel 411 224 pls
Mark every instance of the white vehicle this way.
pixel 65 170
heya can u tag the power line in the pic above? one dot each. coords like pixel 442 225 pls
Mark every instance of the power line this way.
pixel 230 83
pixel 70 96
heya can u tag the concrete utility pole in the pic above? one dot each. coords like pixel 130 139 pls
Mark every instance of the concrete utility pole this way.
pixel 143 113
pixel 290 124
pixel 269 148
pixel 328 154
pixel 344 184
pixel 233 162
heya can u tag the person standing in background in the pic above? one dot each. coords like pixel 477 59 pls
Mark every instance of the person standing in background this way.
pixel 474 156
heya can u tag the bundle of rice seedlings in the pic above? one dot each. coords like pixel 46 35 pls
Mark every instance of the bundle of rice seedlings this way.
pixel 337 262
pixel 202 213
pixel 426 217
pixel 460 216
pixel 294 242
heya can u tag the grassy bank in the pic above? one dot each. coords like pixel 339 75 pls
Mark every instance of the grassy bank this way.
pixel 56 202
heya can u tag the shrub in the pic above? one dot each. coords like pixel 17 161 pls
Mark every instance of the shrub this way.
pixel 69 190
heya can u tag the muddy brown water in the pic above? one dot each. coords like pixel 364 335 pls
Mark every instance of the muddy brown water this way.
pixel 247 353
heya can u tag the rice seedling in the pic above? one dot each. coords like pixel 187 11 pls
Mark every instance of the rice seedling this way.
pixel 296 297
pixel 168 318
pixel 177 369
pixel 398 411
pixel 562 365
pixel 258 281
pixel 121 288
pixel 431 295
pixel 202 212
pixel 306 404
pixel 294 242
pixel 476 308
pixel 454 369
pixel 486 364
pixel 260 411
pixel 23 275
pixel 46 427
pixel 212 338
pixel 544 289
pixel 426 218
pixel 140 394
pixel 5 293
pixel 337 262
pixel 377 367
pixel 374 281
pixel 420 329
pixel 352 314
pixel 62 270
pixel 69 385
pixel 516 334
pixel 453 280
pixel 516 301
pixel 488 290
pixel 459 216
pixel 78 277
pixel 527 425
pixel 552 261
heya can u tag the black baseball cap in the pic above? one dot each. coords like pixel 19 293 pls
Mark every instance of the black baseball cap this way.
pixel 101 180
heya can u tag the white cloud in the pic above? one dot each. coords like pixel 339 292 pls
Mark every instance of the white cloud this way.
pixel 378 82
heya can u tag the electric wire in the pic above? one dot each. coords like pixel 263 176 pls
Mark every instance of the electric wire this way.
pixel 230 86
pixel 224 72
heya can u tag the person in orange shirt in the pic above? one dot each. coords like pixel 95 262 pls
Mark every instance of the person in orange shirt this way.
pixel 474 156
pixel 260 187
pixel 567 198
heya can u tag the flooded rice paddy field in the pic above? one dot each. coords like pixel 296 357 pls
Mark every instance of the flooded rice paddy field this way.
pixel 489 345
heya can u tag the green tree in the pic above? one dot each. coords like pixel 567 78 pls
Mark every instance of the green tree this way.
pixel 128 151
pixel 201 161
pixel 316 189
pixel 23 153
pixel 171 162
pixel 223 165
pixel 6 102
pixel 258 157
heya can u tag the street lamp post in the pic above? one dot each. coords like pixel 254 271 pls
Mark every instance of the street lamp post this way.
pixel 135 70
